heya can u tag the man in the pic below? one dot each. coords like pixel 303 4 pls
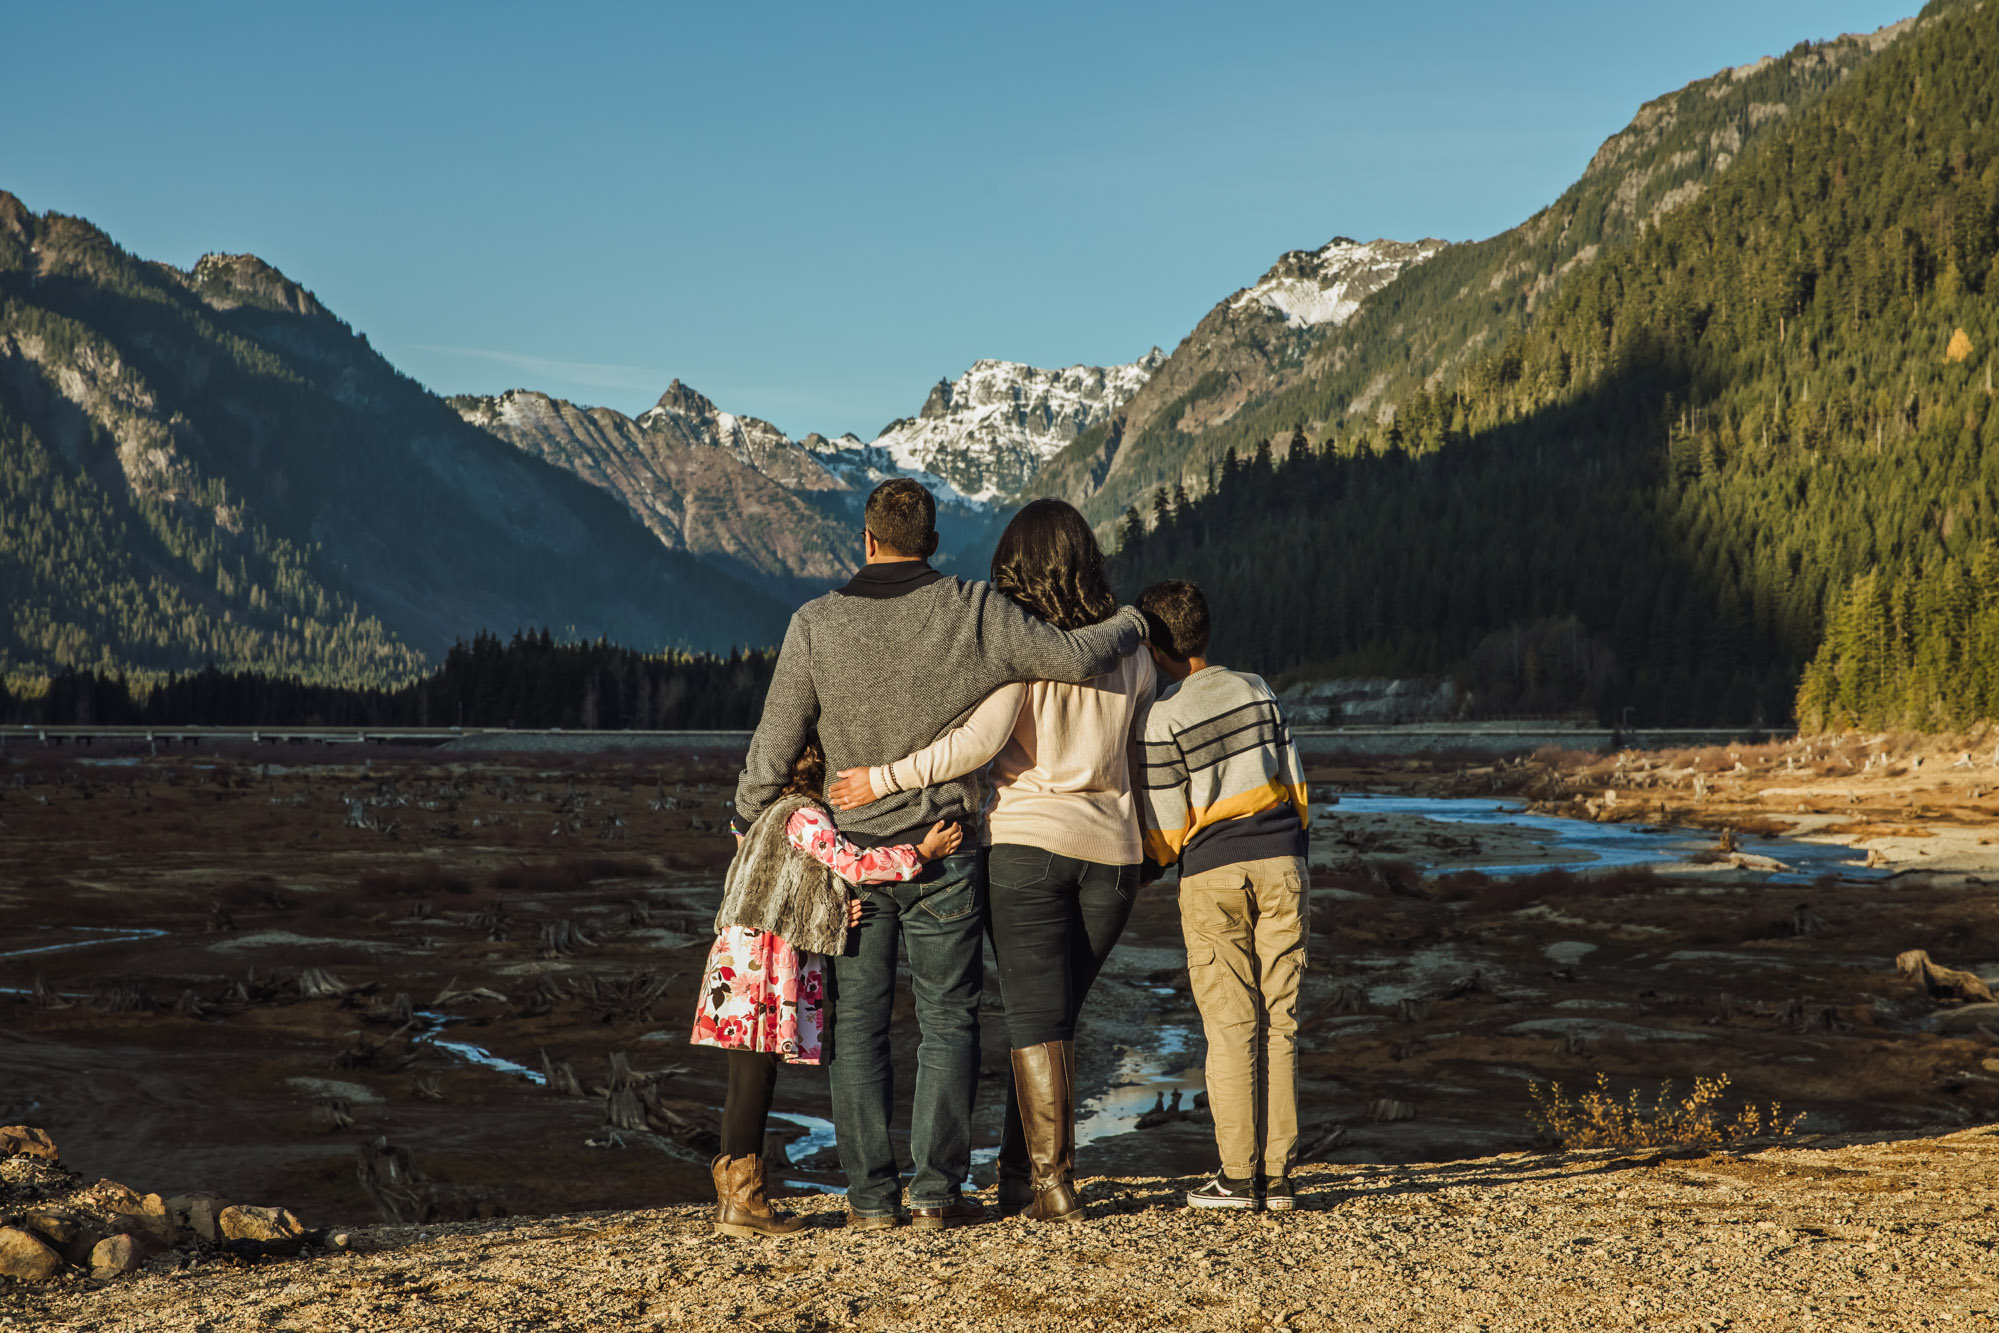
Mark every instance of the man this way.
pixel 879 669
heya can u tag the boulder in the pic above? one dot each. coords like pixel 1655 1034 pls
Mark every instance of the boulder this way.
pixel 200 1212
pixel 26 1141
pixel 24 1258
pixel 275 1230
pixel 116 1256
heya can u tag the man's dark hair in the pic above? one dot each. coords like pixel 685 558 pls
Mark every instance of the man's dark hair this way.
pixel 902 514
pixel 1176 619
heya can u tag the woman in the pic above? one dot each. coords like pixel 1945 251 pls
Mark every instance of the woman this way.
pixel 1064 837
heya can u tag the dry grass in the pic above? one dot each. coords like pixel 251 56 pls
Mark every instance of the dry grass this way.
pixel 1597 1119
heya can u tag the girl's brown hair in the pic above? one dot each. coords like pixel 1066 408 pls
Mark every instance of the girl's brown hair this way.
pixel 808 772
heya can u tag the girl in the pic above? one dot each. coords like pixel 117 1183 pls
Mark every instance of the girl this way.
pixel 785 905
pixel 1063 871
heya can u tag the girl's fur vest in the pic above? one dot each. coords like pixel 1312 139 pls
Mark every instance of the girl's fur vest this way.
pixel 773 886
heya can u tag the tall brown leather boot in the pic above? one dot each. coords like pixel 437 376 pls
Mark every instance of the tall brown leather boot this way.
pixel 1016 1190
pixel 740 1206
pixel 1046 1089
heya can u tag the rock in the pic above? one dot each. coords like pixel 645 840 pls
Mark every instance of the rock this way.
pixel 24 1258
pixel 26 1141
pixel 158 1221
pixel 200 1212
pixel 55 1226
pixel 274 1229
pixel 115 1198
pixel 71 1236
pixel 1942 983
pixel 116 1256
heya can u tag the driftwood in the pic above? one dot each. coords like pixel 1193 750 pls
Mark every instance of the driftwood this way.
pixel 1942 983
pixel 451 994
pixel 318 984
pixel 563 938
pixel 332 1113
pixel 559 1078
pixel 402 1193
pixel 1327 1140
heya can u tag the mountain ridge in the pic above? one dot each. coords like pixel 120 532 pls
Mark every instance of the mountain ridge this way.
pixel 208 465
pixel 1420 330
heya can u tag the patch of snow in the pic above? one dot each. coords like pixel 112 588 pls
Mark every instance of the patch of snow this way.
pixel 1326 286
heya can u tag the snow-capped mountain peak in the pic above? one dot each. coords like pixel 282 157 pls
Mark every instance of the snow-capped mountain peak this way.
pixel 988 431
pixel 1326 286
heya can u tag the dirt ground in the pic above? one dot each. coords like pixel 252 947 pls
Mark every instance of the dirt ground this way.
pixel 560 904
pixel 1875 1232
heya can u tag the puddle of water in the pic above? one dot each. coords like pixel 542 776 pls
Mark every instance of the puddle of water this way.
pixel 1607 846
pixel 472 1053
pixel 107 934
pixel 818 1137
pixel 1567 953
pixel 1602 1027
pixel 1141 1077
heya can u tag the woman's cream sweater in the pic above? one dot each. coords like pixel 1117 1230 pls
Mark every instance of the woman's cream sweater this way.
pixel 1063 757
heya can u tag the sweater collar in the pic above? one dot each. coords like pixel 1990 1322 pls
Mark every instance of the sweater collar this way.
pixel 891 578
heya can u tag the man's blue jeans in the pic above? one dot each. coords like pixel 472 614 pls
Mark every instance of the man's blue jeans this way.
pixel 935 921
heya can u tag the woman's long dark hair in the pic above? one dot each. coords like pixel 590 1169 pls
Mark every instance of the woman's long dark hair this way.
pixel 1048 560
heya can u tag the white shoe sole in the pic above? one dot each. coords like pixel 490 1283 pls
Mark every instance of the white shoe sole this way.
pixel 1280 1205
pixel 1208 1201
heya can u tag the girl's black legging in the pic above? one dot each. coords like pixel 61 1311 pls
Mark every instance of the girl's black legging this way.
pixel 1054 921
pixel 746 1107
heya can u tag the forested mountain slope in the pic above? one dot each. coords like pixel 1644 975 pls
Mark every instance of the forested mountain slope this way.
pixel 1443 314
pixel 209 466
pixel 1776 400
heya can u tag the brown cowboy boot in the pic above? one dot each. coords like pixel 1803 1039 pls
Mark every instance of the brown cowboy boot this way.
pixel 1014 1191
pixel 740 1206
pixel 1044 1082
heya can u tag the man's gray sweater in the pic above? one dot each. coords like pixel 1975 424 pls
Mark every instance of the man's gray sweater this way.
pixel 885 665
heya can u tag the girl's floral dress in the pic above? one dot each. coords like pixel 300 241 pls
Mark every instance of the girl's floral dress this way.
pixel 760 994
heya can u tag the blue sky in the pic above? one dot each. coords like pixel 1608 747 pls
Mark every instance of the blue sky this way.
pixel 813 212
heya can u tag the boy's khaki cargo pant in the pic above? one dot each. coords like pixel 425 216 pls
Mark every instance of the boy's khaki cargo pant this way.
pixel 1246 925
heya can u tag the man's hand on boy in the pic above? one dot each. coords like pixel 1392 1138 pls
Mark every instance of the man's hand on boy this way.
pixel 851 790
pixel 942 840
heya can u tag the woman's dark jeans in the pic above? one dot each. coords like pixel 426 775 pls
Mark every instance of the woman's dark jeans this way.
pixel 1054 920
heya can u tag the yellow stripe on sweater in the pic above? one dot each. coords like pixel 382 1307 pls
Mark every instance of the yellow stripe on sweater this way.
pixel 1165 845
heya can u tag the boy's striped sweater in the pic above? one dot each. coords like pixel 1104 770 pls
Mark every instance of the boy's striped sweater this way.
pixel 1222 779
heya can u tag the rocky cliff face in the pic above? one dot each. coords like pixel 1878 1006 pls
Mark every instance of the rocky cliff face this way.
pixel 989 431
pixel 737 491
pixel 1247 346
pixel 730 489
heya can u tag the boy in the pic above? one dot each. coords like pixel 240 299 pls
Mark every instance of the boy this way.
pixel 1225 797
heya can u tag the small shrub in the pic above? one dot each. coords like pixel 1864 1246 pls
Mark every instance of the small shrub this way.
pixel 1597 1119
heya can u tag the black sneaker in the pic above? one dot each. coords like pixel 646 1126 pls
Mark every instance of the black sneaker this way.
pixel 1224 1192
pixel 1279 1195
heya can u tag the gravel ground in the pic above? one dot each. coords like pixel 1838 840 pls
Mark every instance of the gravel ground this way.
pixel 1834 1233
